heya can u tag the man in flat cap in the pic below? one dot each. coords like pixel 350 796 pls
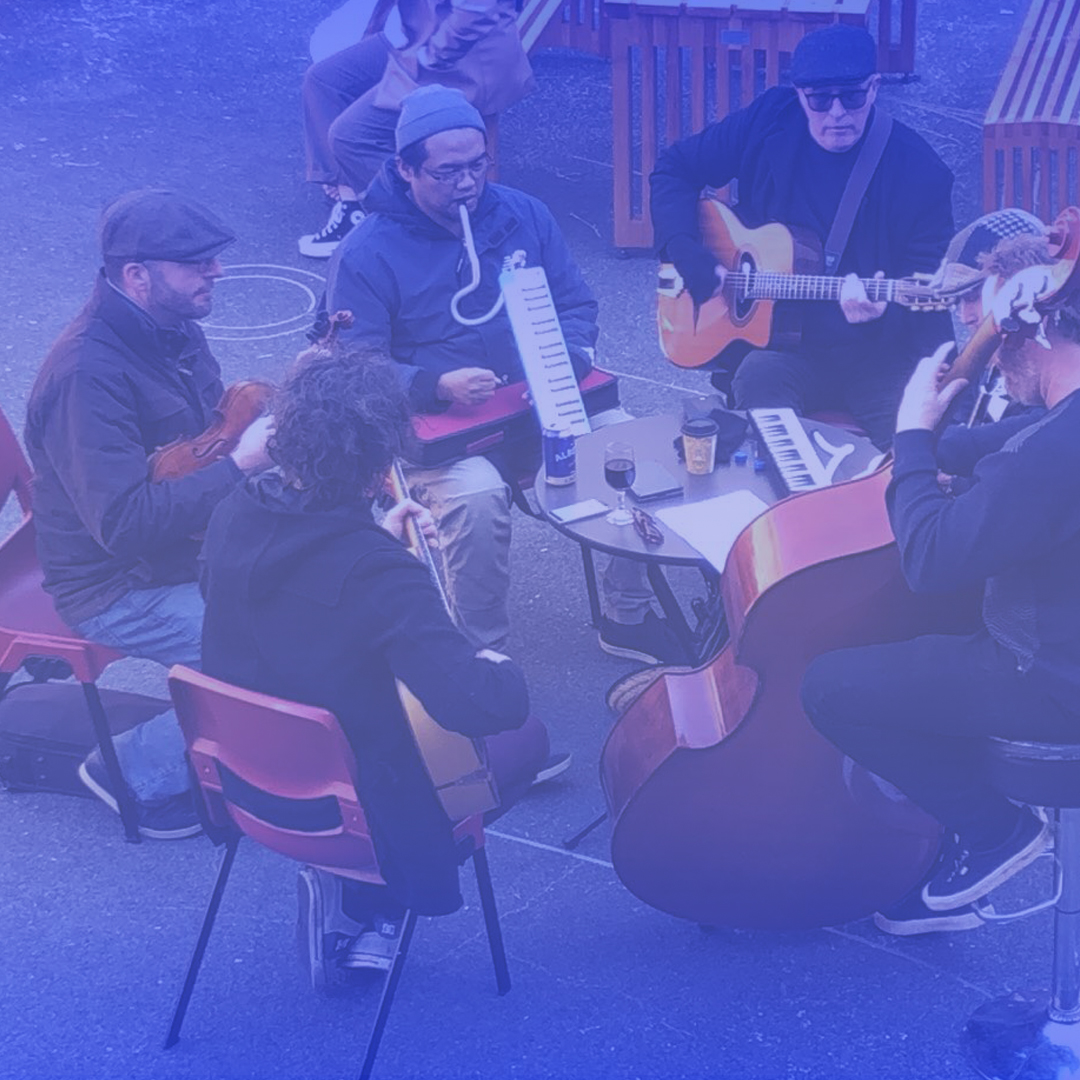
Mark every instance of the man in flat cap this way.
pixel 792 152
pixel 398 273
pixel 130 374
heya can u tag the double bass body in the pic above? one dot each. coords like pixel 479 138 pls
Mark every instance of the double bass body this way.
pixel 727 807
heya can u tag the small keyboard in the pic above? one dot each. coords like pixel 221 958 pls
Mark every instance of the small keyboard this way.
pixel 790 449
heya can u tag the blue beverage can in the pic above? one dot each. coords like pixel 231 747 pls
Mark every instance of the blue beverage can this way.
pixel 560 459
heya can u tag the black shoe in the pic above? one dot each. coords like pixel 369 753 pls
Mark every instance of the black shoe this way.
pixel 966 875
pixel 911 916
pixel 171 818
pixel 344 217
pixel 652 641
pixel 324 933
pixel 555 765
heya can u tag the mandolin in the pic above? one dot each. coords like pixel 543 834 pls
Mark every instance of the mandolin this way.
pixel 763 265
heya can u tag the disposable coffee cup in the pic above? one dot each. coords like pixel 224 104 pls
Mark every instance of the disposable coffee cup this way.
pixel 699 445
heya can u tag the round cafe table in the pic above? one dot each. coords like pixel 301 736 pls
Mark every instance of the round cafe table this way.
pixel 652 438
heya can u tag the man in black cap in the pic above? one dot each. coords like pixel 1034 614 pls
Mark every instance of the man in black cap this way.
pixel 791 153
pixel 130 374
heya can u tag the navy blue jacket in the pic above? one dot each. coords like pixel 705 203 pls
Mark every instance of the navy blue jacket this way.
pixel 398 270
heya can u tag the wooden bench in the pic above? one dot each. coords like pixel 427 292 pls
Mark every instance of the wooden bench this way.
pixel 1031 134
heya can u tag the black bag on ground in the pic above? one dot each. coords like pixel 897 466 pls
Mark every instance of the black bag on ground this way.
pixel 45 732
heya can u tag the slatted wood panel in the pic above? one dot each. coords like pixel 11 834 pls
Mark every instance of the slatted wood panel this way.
pixel 569 24
pixel 1031 134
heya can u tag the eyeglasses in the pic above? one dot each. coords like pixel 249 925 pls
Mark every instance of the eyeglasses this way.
pixel 452 175
pixel 645 526
pixel 821 100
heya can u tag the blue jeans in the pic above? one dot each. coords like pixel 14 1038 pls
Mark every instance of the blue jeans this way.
pixel 162 624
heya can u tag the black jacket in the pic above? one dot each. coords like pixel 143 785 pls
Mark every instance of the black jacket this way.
pixel 904 223
pixel 398 270
pixel 1017 528
pixel 115 387
pixel 325 608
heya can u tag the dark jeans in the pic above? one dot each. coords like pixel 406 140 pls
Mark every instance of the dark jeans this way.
pixel 916 713
pixel 346 136
pixel 869 391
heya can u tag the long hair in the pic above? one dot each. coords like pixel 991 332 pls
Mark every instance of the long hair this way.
pixel 340 420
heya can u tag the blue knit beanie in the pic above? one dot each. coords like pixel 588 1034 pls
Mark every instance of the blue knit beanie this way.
pixel 431 109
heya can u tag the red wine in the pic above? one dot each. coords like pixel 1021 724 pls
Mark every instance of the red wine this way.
pixel 619 473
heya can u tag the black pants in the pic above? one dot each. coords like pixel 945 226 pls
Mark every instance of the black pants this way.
pixel 869 390
pixel 916 712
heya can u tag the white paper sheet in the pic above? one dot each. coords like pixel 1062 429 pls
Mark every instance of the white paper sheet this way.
pixel 712 525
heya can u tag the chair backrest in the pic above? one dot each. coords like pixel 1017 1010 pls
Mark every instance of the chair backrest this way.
pixel 282 772
pixel 14 468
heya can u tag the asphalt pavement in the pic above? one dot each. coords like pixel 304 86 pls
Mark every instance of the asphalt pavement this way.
pixel 101 96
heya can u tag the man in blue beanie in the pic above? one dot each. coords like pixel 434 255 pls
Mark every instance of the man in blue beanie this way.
pixel 791 153
pixel 398 272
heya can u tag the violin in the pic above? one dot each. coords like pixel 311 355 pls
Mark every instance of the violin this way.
pixel 728 808
pixel 240 406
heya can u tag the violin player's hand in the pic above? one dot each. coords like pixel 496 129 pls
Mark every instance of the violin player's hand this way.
pixel 399 513
pixel 925 400
pixel 855 304
pixel 467 386
pixel 250 454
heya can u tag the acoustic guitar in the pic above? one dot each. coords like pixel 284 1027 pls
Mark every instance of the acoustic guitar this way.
pixel 763 265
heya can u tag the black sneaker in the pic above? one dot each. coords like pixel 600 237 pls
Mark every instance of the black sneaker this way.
pixel 171 818
pixel 555 765
pixel 966 875
pixel 344 217
pixel 375 949
pixel 652 641
pixel 324 933
pixel 911 916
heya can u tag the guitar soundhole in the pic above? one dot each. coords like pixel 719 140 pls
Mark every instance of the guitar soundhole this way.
pixel 741 304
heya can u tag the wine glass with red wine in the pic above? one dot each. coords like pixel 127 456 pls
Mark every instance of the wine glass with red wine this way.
pixel 619 474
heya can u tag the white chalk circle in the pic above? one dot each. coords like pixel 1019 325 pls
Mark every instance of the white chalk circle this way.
pixel 300 281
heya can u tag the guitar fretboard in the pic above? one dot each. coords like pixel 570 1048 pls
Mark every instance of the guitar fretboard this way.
pixel 767 285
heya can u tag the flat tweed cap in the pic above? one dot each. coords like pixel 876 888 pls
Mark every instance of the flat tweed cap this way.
pixel 431 109
pixel 154 224
pixel 833 56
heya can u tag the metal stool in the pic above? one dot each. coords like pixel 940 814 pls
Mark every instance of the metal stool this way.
pixel 1036 1036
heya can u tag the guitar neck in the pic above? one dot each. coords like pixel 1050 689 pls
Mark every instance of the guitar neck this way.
pixel 768 285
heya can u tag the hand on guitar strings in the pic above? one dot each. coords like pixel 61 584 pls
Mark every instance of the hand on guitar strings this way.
pixel 702 274
pixel 467 386
pixel 250 455
pixel 855 304
pixel 395 518
pixel 925 399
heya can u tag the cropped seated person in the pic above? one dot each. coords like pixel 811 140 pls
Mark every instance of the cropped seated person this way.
pixel 918 712
pixel 131 373
pixel 352 98
pixel 791 152
pixel 398 273
pixel 309 598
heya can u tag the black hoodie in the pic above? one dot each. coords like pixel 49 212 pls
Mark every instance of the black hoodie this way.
pixel 326 608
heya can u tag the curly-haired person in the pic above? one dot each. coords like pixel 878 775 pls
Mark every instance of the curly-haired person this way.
pixel 309 598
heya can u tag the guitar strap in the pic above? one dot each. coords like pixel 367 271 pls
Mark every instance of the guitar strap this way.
pixel 859 180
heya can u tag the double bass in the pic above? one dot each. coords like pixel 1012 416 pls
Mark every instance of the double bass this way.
pixel 727 807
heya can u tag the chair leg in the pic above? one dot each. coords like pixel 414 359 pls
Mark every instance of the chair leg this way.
pixel 393 977
pixel 491 920
pixel 227 857
pixel 125 799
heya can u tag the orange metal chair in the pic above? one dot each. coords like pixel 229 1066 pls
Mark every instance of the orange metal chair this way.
pixel 33 636
pixel 285 775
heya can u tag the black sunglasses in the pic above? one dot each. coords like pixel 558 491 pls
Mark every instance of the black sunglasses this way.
pixel 821 100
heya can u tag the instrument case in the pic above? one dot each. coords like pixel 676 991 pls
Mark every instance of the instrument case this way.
pixel 45 732
pixel 504 422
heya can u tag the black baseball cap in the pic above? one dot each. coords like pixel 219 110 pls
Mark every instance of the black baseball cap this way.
pixel 836 55
pixel 157 224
